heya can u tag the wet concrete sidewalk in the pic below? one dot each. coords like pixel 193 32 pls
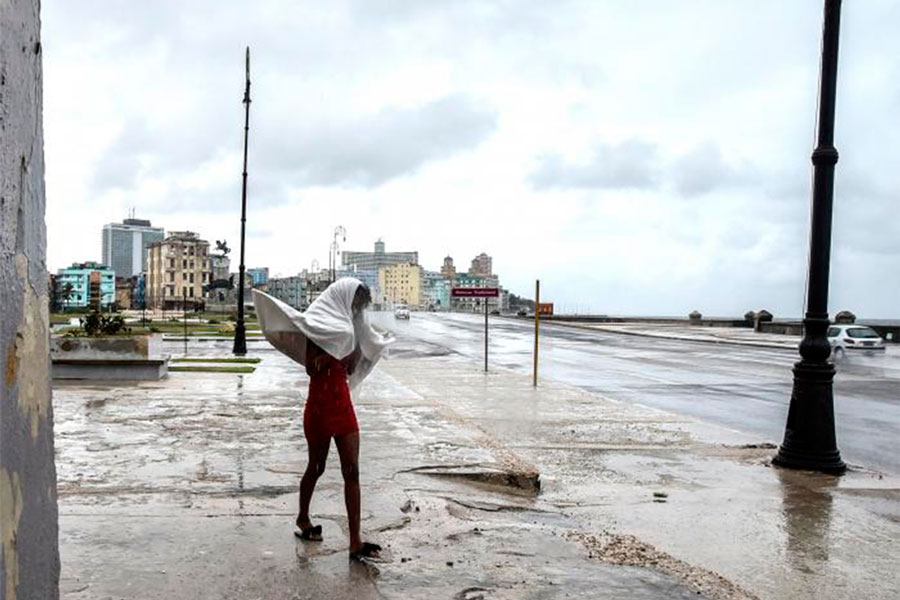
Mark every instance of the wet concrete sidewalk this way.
pixel 186 488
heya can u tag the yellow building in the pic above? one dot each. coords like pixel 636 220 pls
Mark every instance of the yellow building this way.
pixel 401 284
pixel 177 269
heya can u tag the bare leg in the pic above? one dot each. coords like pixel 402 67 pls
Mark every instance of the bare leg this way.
pixel 318 454
pixel 348 450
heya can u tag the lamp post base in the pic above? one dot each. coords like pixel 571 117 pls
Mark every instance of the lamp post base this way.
pixel 809 438
pixel 240 339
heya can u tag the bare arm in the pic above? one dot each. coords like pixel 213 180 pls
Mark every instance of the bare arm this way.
pixel 317 360
pixel 351 361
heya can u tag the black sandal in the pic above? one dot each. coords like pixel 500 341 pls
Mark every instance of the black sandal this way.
pixel 313 533
pixel 368 550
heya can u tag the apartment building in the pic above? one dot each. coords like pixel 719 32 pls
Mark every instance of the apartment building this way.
pixel 178 269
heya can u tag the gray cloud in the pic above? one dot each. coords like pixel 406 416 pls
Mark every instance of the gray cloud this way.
pixel 362 151
pixel 367 151
pixel 704 169
pixel 632 164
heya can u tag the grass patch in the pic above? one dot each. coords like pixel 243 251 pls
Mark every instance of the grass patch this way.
pixel 212 369
pixel 218 360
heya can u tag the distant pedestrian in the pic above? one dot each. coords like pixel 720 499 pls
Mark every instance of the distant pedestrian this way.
pixel 335 342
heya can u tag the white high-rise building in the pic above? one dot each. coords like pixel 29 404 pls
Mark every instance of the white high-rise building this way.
pixel 125 245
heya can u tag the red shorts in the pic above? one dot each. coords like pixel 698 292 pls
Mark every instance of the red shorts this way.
pixel 329 411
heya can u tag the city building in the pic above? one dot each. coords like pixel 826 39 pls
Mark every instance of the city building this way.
pixel 178 269
pixel 315 287
pixel 290 290
pixel 138 288
pixel 87 285
pixel 370 280
pixel 125 245
pixel 504 300
pixel 482 266
pixel 373 261
pixel 448 270
pixel 401 284
pixel 258 276
pixel 436 291
pixel 476 304
pixel 123 293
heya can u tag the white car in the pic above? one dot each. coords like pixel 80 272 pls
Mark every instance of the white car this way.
pixel 855 339
pixel 401 312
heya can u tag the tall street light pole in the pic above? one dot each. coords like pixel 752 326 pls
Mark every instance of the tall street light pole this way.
pixel 809 439
pixel 338 231
pixel 240 331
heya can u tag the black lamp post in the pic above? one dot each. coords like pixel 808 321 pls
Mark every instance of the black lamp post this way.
pixel 809 439
pixel 240 332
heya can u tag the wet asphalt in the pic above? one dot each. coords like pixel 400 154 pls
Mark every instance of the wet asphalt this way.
pixel 741 387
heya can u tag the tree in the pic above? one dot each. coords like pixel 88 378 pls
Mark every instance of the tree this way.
pixel 66 294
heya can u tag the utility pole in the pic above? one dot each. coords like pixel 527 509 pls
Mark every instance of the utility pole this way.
pixel 537 324
pixel 809 438
pixel 240 332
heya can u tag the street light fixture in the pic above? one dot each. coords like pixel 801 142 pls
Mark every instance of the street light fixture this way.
pixel 240 332
pixel 809 438
pixel 338 231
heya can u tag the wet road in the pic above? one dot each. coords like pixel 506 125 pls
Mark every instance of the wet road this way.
pixel 745 388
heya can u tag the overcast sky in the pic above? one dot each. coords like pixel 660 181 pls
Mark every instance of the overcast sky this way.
pixel 640 157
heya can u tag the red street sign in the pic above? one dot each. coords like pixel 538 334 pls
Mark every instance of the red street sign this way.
pixel 473 292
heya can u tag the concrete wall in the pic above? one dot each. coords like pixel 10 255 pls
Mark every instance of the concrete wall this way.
pixel 781 327
pixel 29 568
pixel 704 322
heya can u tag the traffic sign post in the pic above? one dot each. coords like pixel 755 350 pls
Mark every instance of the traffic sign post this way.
pixel 476 292
pixel 485 334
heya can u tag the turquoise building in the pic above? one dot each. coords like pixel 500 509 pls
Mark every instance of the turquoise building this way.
pixel 92 285
pixel 436 291
pixel 259 276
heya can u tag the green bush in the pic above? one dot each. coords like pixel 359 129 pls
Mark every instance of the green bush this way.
pixel 96 324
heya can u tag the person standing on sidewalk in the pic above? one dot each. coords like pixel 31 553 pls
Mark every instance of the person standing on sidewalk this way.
pixel 338 347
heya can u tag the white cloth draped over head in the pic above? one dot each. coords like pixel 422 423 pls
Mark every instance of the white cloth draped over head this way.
pixel 329 322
